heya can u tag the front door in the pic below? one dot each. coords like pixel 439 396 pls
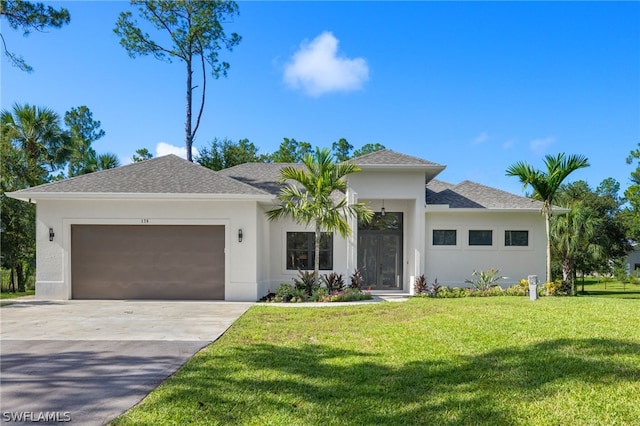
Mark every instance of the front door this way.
pixel 380 251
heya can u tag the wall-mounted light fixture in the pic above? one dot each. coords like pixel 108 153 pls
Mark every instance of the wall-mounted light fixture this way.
pixel 382 210
pixel 240 235
pixel 51 234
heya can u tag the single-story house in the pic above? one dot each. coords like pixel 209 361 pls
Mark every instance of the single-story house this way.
pixel 633 259
pixel 167 228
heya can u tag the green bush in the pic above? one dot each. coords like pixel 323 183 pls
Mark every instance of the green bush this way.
pixel 284 293
pixel 557 288
pixel 484 280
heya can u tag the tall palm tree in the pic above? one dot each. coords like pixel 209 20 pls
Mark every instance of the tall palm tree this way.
pixel 315 195
pixel 37 132
pixel 575 239
pixel 545 184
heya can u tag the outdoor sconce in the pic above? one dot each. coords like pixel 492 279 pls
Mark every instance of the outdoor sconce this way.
pixel 382 210
pixel 240 235
pixel 51 234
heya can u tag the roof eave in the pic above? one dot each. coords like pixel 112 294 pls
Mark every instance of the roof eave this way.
pixel 407 167
pixel 34 196
pixel 436 208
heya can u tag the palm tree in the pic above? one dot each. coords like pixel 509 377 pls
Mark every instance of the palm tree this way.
pixel 37 132
pixel 315 195
pixel 574 240
pixel 107 160
pixel 545 185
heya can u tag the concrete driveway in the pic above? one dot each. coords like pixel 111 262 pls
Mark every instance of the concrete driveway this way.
pixel 86 362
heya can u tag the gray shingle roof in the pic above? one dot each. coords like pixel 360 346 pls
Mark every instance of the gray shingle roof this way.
pixel 387 157
pixel 469 194
pixel 264 176
pixel 162 175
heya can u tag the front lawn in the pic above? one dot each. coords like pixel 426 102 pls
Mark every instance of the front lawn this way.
pixel 494 361
pixel 606 287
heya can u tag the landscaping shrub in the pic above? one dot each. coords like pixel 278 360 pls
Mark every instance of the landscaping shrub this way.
pixel 333 282
pixel 306 281
pixel 284 293
pixel 557 288
pixel 356 280
pixel 420 285
pixel 288 293
pixel 484 279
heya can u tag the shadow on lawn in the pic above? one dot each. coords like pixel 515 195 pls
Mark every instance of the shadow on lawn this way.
pixel 318 384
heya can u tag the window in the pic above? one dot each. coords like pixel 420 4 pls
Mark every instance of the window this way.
pixel 516 238
pixel 444 237
pixel 301 251
pixel 480 238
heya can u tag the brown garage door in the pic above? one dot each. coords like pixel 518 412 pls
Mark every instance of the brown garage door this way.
pixel 147 262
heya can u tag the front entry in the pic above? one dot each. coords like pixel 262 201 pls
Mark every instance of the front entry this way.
pixel 380 251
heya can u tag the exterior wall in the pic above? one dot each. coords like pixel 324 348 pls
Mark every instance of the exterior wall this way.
pixel 264 253
pixel 402 191
pixel 633 259
pixel 452 265
pixel 53 276
pixel 276 253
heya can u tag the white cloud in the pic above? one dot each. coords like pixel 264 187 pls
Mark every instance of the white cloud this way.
pixel 539 146
pixel 316 68
pixel 481 138
pixel 163 148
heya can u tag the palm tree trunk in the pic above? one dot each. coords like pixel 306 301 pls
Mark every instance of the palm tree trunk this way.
pixel 547 220
pixel 316 263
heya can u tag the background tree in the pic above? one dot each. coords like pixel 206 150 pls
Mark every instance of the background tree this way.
pixel 222 154
pixel 545 185
pixel 574 240
pixel 141 155
pixel 37 132
pixel 107 160
pixel 83 131
pixel 291 151
pixel 27 16
pixel 315 196
pixel 607 206
pixel 197 36
pixel 632 194
pixel 368 149
pixel 342 149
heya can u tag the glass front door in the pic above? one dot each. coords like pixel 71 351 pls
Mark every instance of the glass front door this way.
pixel 380 252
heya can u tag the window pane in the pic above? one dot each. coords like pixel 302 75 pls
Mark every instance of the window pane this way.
pixel 301 253
pixel 516 238
pixel 481 238
pixel 391 221
pixel 444 237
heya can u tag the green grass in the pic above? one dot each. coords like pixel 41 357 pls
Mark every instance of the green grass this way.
pixel 494 361
pixel 4 295
pixel 604 287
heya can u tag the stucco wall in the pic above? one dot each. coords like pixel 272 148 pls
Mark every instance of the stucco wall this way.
pixel 401 191
pixel 633 259
pixel 276 253
pixel 53 278
pixel 452 265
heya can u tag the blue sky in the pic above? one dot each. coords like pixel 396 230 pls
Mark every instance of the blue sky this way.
pixel 474 86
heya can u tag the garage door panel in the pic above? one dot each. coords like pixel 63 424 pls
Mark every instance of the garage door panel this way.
pixel 147 262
